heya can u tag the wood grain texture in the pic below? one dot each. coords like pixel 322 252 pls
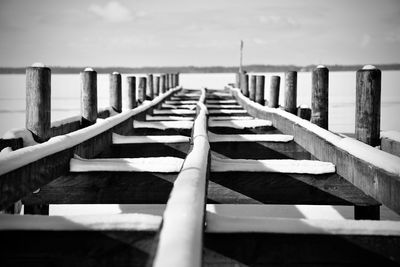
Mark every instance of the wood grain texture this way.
pixel 116 92
pixel 290 91
pixel 150 86
pixel 252 90
pixel 88 97
pixel 244 83
pixel 273 100
pixel 260 87
pixel 368 106
pixel 38 102
pixel 390 146
pixel 132 103
pixel 319 97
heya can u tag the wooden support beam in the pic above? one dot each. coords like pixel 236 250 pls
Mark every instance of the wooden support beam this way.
pixel 116 91
pixel 291 91
pixel 132 101
pixel 281 188
pixel 88 97
pixel 105 188
pixel 273 101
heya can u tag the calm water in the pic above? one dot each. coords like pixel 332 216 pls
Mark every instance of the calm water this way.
pixel 66 93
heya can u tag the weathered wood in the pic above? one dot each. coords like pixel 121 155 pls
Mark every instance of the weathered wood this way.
pixel 281 188
pixel 291 92
pixel 142 89
pixel 260 87
pixel 38 102
pixel 106 188
pixel 304 112
pixel 237 80
pixel 252 90
pixel 163 83
pixel 131 92
pixel 368 105
pixel 149 150
pixel 273 101
pixel 244 83
pixel 390 145
pixel 167 81
pixel 14 143
pixel 274 249
pixel 88 97
pixel 150 86
pixel 371 179
pixel 116 91
pixel 73 125
pixel 177 79
pixel 319 96
pixel 157 84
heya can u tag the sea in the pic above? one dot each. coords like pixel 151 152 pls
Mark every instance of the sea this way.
pixel 65 96
pixel 65 102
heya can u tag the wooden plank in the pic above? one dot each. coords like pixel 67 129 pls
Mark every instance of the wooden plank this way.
pixel 106 188
pixel 390 142
pixel 370 178
pixel 149 150
pixel 281 188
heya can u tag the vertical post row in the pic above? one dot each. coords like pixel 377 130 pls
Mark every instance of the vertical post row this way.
pixel 368 105
pixel 132 92
pixel 291 92
pixel 88 97
pixel 115 91
pixel 142 89
pixel 260 85
pixel 319 98
pixel 150 88
pixel 163 83
pixel 252 91
pixel 273 101
pixel 156 86
pixel 38 101
pixel 244 83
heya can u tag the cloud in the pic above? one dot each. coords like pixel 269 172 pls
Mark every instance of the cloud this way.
pixel 278 20
pixel 112 12
pixel 366 40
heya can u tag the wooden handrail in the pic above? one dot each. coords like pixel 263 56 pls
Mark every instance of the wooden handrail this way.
pixel 181 236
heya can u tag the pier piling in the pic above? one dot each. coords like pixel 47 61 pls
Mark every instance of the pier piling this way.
pixel 132 92
pixel 115 91
pixel 291 92
pixel 142 89
pixel 156 86
pixel 319 98
pixel 88 97
pixel 244 83
pixel 163 83
pixel 38 102
pixel 260 85
pixel 150 86
pixel 273 101
pixel 252 90
pixel 368 105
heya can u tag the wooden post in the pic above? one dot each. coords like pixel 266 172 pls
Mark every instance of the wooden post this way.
pixel 252 91
pixel 291 92
pixel 260 87
pixel 88 97
pixel 150 87
pixel 38 101
pixel 167 81
pixel 237 80
pixel 115 91
pixel 163 83
pixel 171 80
pixel 142 89
pixel 38 114
pixel 319 98
pixel 273 101
pixel 368 105
pixel 177 79
pixel 132 92
pixel 244 83
pixel 368 111
pixel 156 86
pixel 304 112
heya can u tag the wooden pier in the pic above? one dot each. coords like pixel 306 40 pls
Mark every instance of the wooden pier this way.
pixel 188 148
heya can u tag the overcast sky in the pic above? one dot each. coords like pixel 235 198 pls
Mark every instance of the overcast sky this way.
pixel 205 32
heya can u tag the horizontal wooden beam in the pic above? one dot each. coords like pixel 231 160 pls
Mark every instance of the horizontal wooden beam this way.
pixel 281 188
pixel 105 188
pixel 390 142
pixel 371 177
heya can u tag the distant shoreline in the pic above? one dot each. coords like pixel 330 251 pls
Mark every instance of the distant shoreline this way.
pixel 207 69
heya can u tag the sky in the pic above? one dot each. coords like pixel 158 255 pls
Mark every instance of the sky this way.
pixel 198 33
